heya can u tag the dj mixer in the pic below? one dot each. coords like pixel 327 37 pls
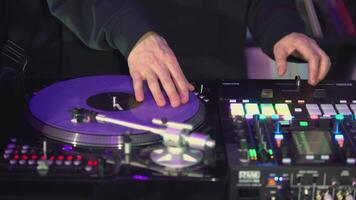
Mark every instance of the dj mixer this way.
pixel 239 139
pixel 288 140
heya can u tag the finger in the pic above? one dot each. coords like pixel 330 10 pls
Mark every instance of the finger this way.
pixel 155 89
pixel 180 81
pixel 190 87
pixel 168 85
pixel 313 60
pixel 324 63
pixel 281 54
pixel 138 86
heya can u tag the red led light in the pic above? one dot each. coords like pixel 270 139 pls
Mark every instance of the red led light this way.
pixel 95 163
pixel 60 157
pixel 24 157
pixel 43 157
pixel 340 143
pixel 90 163
pixel 314 117
pixel 16 157
pixel 69 157
pixel 79 157
pixel 52 157
pixel 34 157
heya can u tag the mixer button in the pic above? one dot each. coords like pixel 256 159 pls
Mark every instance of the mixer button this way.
pixel 13 162
pixel 325 157
pixel 252 109
pixel 49 162
pixel 343 109
pixel 237 109
pixel 301 101
pixel 353 108
pixel 288 101
pixel 313 109
pixel 298 110
pixel 351 161
pixel 22 162
pixel 282 109
pixel 328 109
pixel 309 157
pixel 303 124
pixel 11 146
pixel 8 151
pixel 6 156
pixel 25 147
pixel 286 160
pixel 59 162
pixel 267 110
pixel 31 162
pixel 67 162
pixel 88 168
pixel 77 162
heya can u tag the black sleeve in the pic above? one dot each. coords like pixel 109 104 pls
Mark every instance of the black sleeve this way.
pixel 103 24
pixel 270 20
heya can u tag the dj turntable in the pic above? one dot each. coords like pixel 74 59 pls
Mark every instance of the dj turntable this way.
pixel 92 130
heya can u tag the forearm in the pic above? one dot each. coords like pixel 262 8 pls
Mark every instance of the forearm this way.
pixel 103 24
pixel 271 20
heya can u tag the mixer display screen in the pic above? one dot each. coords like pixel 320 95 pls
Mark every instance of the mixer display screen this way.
pixel 313 143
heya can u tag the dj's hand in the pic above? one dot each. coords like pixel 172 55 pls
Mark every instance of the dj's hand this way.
pixel 301 46
pixel 153 60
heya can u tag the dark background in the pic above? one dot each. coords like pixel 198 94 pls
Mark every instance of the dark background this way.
pixel 206 35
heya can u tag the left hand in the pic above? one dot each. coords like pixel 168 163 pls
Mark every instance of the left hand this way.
pixel 301 46
pixel 153 60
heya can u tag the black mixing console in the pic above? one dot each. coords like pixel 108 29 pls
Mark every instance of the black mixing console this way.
pixel 288 140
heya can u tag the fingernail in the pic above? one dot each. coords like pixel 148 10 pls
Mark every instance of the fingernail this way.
pixel 139 98
pixel 184 98
pixel 279 71
pixel 175 104
pixel 161 102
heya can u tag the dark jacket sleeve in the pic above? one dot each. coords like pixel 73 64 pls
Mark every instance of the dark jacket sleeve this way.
pixel 270 20
pixel 103 24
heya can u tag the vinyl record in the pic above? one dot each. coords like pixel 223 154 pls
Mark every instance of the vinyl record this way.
pixel 50 110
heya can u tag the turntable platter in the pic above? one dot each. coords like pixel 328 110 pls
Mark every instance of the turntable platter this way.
pixel 49 111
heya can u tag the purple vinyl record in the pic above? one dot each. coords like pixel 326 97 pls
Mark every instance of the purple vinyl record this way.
pixel 108 95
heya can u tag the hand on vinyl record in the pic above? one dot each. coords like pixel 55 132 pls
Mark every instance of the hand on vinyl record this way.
pixel 153 60
pixel 301 46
